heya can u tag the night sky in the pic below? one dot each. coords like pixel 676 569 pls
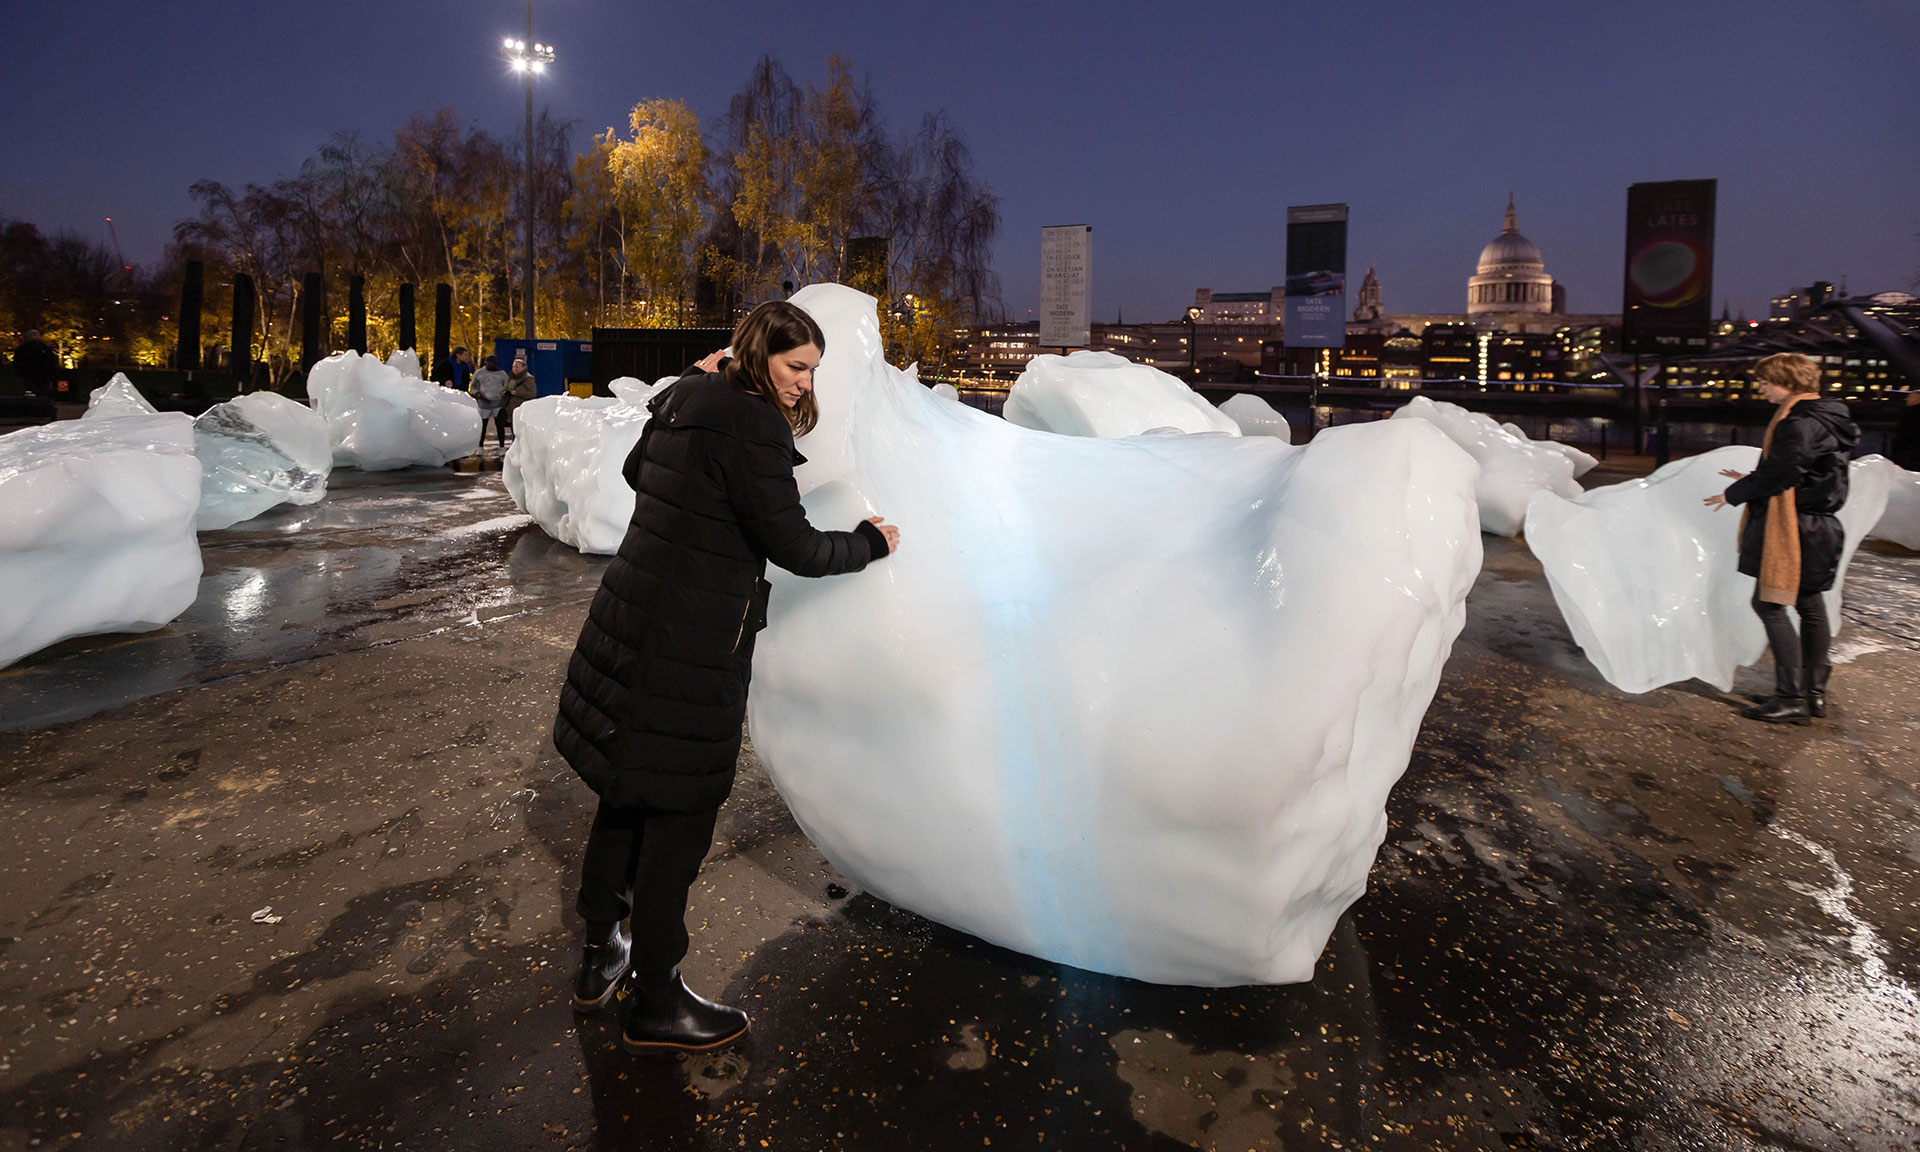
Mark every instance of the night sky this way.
pixel 1179 132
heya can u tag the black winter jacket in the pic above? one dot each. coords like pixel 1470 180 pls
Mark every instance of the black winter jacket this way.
pixel 656 691
pixel 1812 446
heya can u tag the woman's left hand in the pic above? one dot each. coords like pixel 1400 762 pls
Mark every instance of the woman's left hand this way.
pixel 711 363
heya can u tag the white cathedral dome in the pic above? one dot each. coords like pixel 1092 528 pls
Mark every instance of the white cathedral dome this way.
pixel 1511 276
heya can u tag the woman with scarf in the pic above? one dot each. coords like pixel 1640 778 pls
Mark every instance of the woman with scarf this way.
pixel 1790 537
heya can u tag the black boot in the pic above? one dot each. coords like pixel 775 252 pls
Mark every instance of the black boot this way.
pixel 671 1018
pixel 1817 688
pixel 602 962
pixel 1789 703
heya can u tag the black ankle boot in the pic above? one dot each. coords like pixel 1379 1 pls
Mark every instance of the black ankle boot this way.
pixel 671 1018
pixel 1817 688
pixel 602 962
pixel 1789 703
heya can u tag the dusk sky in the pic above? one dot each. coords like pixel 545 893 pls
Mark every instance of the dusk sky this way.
pixel 1179 132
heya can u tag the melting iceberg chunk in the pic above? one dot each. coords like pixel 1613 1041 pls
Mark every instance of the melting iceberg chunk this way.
pixel 1129 704
pixel 564 468
pixel 1257 418
pixel 946 392
pixel 258 450
pixel 379 419
pixel 1512 468
pixel 96 528
pixel 1647 575
pixel 1583 462
pixel 1104 395
pixel 1900 523
pixel 405 361
pixel 117 397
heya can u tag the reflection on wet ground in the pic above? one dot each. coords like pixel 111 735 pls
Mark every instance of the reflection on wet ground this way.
pixel 322 896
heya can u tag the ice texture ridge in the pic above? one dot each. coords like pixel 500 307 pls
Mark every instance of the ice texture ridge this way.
pixel 1133 705
pixel 564 468
pixel 1104 395
pixel 1647 575
pixel 1512 468
pixel 379 418
pixel 96 528
pixel 259 450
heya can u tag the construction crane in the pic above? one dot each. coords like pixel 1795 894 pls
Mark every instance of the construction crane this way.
pixel 117 255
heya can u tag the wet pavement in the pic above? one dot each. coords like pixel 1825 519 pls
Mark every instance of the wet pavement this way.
pixel 296 872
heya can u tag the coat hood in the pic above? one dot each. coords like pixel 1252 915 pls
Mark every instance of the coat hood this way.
pixel 1833 415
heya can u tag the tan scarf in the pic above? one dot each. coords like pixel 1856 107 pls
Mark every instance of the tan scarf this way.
pixel 1780 547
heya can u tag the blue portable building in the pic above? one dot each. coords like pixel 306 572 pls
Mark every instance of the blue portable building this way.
pixel 554 363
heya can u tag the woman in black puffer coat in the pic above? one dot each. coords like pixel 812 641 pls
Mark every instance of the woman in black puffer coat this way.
pixel 656 692
pixel 1791 539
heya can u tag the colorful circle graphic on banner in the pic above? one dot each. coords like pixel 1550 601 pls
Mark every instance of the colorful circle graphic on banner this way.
pixel 1668 273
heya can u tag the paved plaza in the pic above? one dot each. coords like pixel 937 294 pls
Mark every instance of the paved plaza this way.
pixel 297 872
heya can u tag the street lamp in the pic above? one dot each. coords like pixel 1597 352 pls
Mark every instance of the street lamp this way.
pixel 1193 343
pixel 528 57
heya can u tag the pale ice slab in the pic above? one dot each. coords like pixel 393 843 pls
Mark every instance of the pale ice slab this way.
pixel 96 528
pixel 946 392
pixel 256 451
pixel 1900 523
pixel 564 468
pixel 1257 418
pixel 1104 395
pixel 1647 576
pixel 1583 462
pixel 379 419
pixel 117 397
pixel 1512 468
pixel 1133 705
pixel 405 361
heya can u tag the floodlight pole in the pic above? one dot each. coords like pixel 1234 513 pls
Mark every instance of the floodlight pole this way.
pixel 526 256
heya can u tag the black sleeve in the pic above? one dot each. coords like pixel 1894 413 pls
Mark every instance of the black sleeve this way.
pixel 876 539
pixel 766 501
pixel 1785 465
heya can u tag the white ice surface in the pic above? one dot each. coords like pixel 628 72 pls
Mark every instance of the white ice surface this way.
pixel 1133 705
pixel 1582 462
pixel 1647 576
pixel 258 450
pixel 96 528
pixel 406 362
pixel 1900 523
pixel 1104 395
pixel 564 466
pixel 946 392
pixel 1256 417
pixel 117 397
pixel 1512 468
pixel 379 419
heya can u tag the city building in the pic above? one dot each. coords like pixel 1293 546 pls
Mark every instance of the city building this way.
pixel 1511 276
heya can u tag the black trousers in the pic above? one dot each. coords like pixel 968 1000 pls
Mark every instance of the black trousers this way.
pixel 499 429
pixel 640 863
pixel 1809 648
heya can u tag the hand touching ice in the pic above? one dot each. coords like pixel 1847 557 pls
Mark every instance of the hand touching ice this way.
pixel 1719 499
pixel 889 531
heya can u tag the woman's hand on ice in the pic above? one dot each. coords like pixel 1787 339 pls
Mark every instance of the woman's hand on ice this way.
pixel 889 531
pixel 1717 500
pixel 1733 475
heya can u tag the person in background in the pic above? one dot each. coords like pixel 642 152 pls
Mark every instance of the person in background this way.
pixel 37 364
pixel 1906 435
pixel 490 392
pixel 520 389
pixel 1790 537
pixel 462 371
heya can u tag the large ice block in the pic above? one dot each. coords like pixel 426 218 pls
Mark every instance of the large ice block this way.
pixel 117 397
pixel 96 528
pixel 1257 418
pixel 1104 395
pixel 1900 523
pixel 564 466
pixel 405 361
pixel 1512 468
pixel 258 450
pixel 1132 704
pixel 1647 575
pixel 378 418
pixel 1583 462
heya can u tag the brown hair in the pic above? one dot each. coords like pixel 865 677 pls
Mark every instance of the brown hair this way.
pixel 770 329
pixel 1789 370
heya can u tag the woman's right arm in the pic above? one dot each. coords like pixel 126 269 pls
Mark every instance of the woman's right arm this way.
pixel 1785 465
pixel 766 501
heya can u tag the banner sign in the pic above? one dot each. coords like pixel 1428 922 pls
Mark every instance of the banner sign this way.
pixel 1668 304
pixel 1316 276
pixel 1066 287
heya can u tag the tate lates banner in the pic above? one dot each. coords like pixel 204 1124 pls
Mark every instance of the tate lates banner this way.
pixel 1066 288
pixel 1669 283
pixel 1317 276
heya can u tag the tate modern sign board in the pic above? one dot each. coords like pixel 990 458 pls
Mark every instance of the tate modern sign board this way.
pixel 1066 285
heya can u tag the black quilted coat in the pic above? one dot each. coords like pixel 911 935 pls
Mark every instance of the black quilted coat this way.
pixel 656 691
pixel 1811 449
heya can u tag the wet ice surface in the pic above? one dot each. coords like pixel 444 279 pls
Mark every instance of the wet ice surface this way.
pixel 1599 922
pixel 381 558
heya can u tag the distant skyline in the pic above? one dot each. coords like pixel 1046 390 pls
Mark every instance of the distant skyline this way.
pixel 1179 135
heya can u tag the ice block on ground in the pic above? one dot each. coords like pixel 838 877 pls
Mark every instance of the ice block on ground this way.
pixel 256 451
pixel 117 397
pixel 1900 523
pixel 1512 468
pixel 1257 418
pixel 564 468
pixel 1103 395
pixel 378 419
